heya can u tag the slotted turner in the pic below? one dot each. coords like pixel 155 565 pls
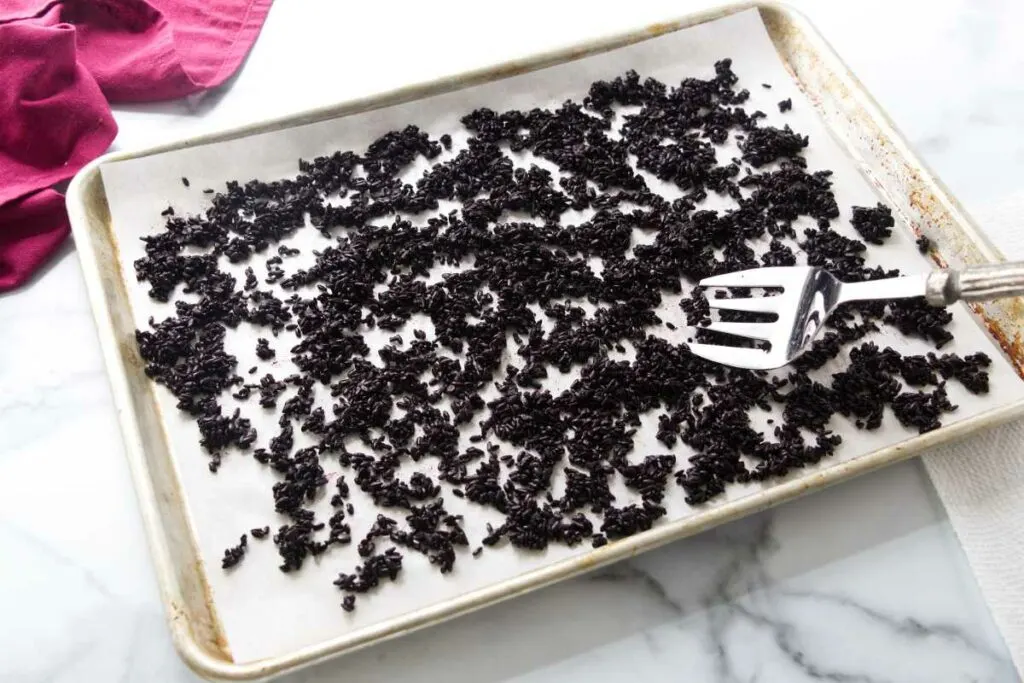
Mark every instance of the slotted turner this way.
pixel 810 295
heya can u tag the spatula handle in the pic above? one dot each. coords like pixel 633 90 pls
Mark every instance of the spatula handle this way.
pixel 975 283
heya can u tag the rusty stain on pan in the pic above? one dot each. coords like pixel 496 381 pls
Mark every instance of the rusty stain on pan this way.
pixel 212 634
pixel 172 494
pixel 1012 346
pixel 661 28
pixel 219 642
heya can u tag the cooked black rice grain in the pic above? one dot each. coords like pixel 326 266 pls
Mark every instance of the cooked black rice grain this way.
pixel 234 555
pixel 520 305
pixel 874 225
pixel 386 565
pixel 432 532
pixel 765 145
pixel 922 410
pixel 622 522
pixel 270 390
pixel 295 541
pixel 917 318
pixel 785 105
pixel 263 350
pixel 970 371
pixel 260 533
pixel 340 532
pixel 339 498
pixel 648 477
pixel 924 245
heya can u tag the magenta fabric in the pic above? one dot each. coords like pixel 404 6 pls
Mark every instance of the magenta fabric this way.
pixel 34 227
pixel 62 62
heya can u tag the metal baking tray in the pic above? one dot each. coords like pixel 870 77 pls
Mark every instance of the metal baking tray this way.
pixel 849 113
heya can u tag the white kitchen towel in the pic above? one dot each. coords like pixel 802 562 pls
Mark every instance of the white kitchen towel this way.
pixel 981 480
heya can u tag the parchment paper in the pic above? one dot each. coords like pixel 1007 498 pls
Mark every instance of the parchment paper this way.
pixel 265 612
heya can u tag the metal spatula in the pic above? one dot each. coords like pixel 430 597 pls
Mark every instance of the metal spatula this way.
pixel 810 295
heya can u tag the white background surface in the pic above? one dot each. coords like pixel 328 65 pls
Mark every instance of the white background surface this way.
pixel 861 583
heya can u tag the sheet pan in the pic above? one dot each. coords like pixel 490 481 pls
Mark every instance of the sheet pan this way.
pixel 213 624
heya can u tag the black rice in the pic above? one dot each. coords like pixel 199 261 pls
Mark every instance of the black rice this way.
pixel 263 350
pixel 522 304
pixel 386 565
pixel 874 225
pixel 234 555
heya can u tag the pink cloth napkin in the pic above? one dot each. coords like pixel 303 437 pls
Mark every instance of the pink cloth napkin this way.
pixel 61 62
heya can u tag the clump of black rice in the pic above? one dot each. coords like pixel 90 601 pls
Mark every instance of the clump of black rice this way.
pixel 531 293
pixel 234 555
pixel 873 224
pixel 367 576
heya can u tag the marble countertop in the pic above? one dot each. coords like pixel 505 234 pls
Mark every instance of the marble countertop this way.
pixel 862 583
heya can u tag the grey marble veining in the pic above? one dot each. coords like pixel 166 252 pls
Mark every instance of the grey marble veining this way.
pixel 863 583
